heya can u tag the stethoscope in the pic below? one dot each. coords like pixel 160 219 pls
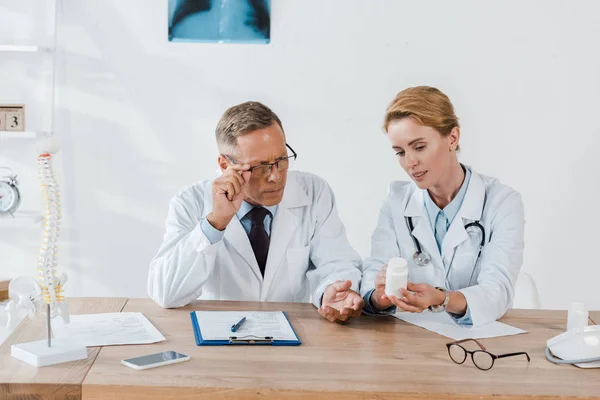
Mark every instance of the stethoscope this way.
pixel 423 259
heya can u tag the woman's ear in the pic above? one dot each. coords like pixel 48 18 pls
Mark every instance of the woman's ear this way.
pixel 454 138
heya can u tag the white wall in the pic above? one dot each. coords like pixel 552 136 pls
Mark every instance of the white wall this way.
pixel 136 115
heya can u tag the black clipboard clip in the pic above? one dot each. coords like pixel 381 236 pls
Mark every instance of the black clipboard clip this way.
pixel 251 339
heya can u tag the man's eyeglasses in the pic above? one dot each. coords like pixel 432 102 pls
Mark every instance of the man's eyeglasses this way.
pixel 483 359
pixel 264 169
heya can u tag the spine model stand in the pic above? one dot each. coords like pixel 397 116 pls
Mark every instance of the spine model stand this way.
pixel 45 293
pixel 51 287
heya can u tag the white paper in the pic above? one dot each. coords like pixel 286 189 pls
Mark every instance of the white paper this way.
pixel 107 329
pixel 216 325
pixel 443 324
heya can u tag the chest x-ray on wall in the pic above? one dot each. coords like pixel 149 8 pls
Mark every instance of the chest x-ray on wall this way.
pixel 219 21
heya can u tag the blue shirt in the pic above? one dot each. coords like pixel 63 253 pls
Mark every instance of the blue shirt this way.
pixel 214 235
pixel 441 220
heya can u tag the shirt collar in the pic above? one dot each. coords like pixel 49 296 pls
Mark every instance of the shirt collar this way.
pixel 246 207
pixel 451 210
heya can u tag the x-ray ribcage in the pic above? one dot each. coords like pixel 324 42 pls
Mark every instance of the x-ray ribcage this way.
pixel 221 21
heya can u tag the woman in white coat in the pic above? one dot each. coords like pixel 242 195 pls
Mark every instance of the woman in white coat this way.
pixel 460 232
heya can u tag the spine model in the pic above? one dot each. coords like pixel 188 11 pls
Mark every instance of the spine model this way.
pixel 45 292
pixel 50 285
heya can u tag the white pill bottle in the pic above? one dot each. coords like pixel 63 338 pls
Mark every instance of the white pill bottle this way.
pixel 396 276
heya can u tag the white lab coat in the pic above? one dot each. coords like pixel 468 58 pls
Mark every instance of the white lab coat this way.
pixel 492 286
pixel 308 250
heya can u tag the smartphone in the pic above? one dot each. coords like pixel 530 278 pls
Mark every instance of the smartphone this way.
pixel 155 360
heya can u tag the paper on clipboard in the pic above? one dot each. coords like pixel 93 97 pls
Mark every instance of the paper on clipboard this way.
pixel 216 325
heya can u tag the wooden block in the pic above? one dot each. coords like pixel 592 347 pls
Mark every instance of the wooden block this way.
pixel 594 317
pixel 12 117
pixel 4 290
pixel 14 121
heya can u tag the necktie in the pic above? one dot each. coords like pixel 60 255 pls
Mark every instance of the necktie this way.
pixel 259 240
pixel 441 223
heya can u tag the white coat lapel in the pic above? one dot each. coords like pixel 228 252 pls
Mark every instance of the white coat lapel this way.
pixel 422 228
pixel 454 237
pixel 470 210
pixel 235 235
pixel 284 225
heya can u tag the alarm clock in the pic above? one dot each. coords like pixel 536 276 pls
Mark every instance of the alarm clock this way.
pixel 10 197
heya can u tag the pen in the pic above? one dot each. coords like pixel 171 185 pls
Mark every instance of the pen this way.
pixel 237 326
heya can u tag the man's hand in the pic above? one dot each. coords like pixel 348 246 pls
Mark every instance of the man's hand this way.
pixel 228 194
pixel 340 302
pixel 423 296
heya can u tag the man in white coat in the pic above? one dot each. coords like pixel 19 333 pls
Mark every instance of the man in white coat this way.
pixel 258 232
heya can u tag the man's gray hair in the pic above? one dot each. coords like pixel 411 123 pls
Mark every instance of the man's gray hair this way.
pixel 240 120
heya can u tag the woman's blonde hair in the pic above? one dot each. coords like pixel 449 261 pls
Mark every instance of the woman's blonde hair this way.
pixel 427 105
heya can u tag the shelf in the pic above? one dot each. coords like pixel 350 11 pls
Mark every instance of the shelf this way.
pixel 30 216
pixel 20 135
pixel 15 48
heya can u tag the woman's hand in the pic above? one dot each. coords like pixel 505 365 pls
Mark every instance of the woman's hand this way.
pixel 422 296
pixel 378 297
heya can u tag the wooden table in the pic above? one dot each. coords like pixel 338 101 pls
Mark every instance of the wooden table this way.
pixel 19 380
pixel 4 290
pixel 372 357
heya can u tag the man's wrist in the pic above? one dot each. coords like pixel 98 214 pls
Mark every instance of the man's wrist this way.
pixel 219 223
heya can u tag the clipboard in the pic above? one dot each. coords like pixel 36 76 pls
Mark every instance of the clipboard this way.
pixel 240 338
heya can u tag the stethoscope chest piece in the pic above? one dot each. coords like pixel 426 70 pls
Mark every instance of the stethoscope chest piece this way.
pixel 421 258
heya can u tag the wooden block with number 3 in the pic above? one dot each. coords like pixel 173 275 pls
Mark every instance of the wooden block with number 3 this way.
pixel 12 118
pixel 14 121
